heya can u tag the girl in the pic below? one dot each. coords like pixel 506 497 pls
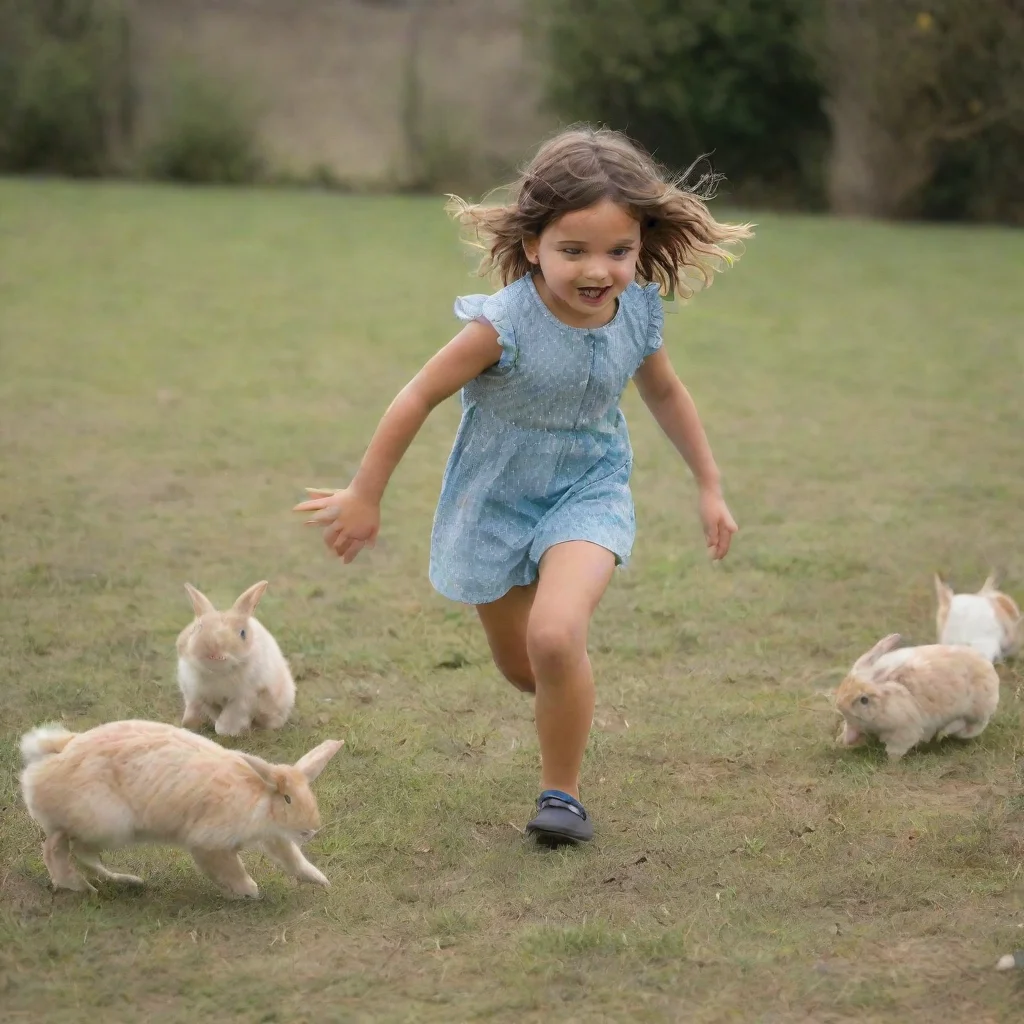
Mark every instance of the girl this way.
pixel 535 509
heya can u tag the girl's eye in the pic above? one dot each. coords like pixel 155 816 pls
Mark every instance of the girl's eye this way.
pixel 241 633
pixel 572 252
pixel 287 799
pixel 622 251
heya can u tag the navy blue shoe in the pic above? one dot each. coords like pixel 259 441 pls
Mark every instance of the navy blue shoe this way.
pixel 560 819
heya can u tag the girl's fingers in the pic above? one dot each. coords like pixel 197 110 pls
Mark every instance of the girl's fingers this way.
pixel 725 537
pixel 345 544
pixel 349 548
pixel 313 504
pixel 711 536
pixel 354 550
pixel 325 516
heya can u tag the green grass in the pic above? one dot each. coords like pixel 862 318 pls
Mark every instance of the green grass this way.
pixel 175 366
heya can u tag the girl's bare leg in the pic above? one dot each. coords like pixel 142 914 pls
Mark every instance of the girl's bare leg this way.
pixel 505 622
pixel 573 578
pixel 538 638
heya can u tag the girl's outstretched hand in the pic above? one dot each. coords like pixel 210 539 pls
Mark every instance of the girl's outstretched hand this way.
pixel 350 520
pixel 719 525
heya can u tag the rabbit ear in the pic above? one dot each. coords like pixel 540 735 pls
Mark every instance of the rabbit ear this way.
pixel 1008 607
pixel 991 584
pixel 201 604
pixel 313 763
pixel 944 596
pixel 265 771
pixel 884 646
pixel 246 603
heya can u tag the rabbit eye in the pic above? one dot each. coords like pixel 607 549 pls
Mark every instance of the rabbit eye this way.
pixel 863 700
pixel 287 799
pixel 241 633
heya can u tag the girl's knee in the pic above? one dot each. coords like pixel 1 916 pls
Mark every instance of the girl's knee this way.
pixel 554 644
pixel 519 675
pixel 522 681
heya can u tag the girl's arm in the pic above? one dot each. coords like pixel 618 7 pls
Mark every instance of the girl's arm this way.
pixel 352 516
pixel 674 410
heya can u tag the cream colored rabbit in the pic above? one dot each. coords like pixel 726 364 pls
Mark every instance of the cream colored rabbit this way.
pixel 133 782
pixel 912 695
pixel 988 621
pixel 230 669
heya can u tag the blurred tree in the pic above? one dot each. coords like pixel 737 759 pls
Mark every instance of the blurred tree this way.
pixel 926 102
pixel 686 77
pixel 67 102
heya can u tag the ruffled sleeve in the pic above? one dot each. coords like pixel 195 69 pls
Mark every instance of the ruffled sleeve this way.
pixel 656 319
pixel 491 309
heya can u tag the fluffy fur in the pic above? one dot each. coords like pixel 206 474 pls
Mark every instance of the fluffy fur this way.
pixel 989 621
pixel 230 669
pixel 912 695
pixel 132 782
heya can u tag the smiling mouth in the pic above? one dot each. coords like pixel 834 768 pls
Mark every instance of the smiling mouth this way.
pixel 593 296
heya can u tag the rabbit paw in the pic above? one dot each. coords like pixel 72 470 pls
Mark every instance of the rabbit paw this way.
pixel 315 877
pixel 232 724
pixel 850 736
pixel 193 717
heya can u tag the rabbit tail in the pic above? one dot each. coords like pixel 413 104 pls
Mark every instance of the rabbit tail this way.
pixel 45 741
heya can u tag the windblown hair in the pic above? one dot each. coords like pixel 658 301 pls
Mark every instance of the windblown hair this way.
pixel 580 166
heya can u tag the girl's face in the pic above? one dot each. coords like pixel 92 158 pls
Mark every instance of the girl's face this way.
pixel 587 258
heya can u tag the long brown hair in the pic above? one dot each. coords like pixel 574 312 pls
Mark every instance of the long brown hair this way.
pixel 583 165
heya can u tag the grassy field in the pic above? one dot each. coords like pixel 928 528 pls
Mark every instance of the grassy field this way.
pixel 175 366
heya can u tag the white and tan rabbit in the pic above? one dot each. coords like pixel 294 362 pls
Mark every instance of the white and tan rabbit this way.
pixel 132 782
pixel 230 669
pixel 989 621
pixel 914 694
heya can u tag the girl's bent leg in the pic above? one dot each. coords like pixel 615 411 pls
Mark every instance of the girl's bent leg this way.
pixel 573 577
pixel 505 623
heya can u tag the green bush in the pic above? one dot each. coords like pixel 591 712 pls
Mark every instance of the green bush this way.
pixel 206 133
pixel 685 77
pixel 54 122
pixel 65 100
pixel 979 179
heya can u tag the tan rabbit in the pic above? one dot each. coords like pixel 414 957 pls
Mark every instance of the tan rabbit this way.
pixel 230 669
pixel 988 621
pixel 912 695
pixel 133 782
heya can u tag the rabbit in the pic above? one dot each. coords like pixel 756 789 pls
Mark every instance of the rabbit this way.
pixel 988 621
pixel 913 694
pixel 134 782
pixel 230 669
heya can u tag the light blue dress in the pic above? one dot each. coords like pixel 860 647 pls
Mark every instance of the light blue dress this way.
pixel 542 454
